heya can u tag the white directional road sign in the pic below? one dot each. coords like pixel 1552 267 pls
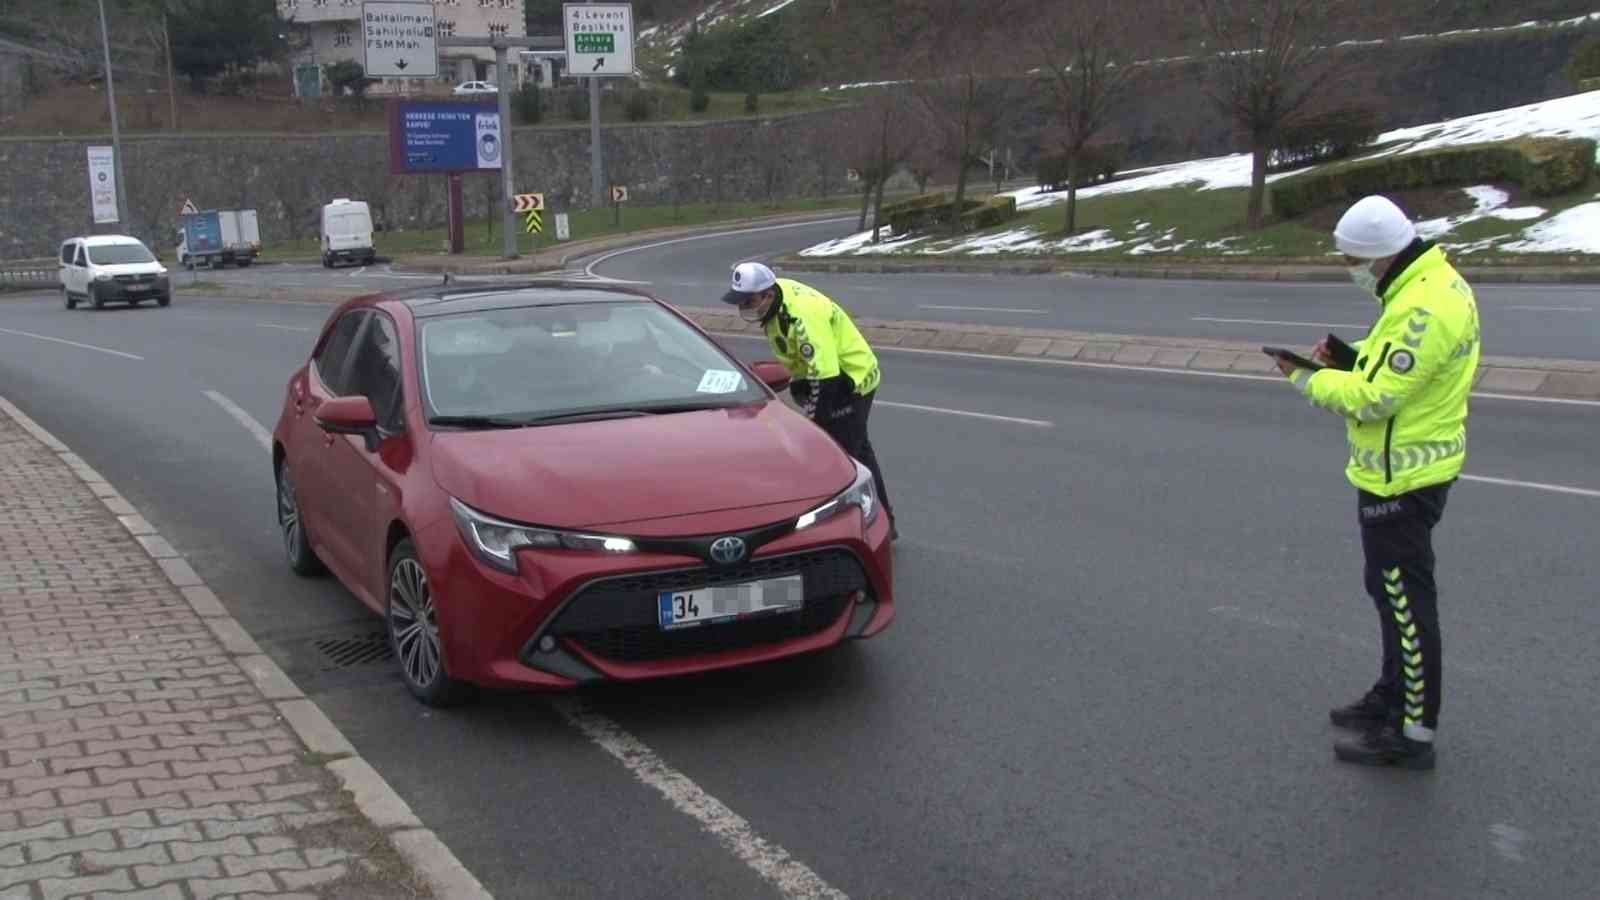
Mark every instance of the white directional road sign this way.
pixel 599 39
pixel 398 39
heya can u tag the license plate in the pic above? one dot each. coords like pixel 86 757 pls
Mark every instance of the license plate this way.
pixel 710 605
pixel 140 287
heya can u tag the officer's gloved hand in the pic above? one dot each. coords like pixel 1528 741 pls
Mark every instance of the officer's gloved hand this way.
pixel 800 391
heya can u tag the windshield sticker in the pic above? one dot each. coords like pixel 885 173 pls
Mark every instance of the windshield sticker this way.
pixel 719 381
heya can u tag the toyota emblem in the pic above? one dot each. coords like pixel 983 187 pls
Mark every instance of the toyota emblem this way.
pixel 727 550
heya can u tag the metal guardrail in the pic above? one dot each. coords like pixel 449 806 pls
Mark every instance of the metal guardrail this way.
pixel 29 276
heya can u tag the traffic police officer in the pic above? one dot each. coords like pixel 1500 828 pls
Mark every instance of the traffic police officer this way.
pixel 835 372
pixel 1404 402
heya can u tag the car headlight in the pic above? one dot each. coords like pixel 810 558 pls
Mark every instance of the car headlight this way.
pixel 102 276
pixel 496 540
pixel 861 494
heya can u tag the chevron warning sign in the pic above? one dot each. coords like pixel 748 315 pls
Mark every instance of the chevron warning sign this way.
pixel 528 202
pixel 535 222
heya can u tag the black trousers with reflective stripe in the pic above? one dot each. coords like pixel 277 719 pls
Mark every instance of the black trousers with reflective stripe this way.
pixel 845 420
pixel 1397 540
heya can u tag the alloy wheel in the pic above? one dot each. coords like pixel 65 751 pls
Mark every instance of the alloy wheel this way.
pixel 413 623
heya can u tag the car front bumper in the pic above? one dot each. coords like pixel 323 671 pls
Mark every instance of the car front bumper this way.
pixel 158 286
pixel 567 619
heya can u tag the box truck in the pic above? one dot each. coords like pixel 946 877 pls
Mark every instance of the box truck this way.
pixel 219 237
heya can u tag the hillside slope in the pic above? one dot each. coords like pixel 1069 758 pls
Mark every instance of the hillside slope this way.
pixel 829 33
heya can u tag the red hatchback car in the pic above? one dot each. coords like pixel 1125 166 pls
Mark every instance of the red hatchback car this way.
pixel 554 483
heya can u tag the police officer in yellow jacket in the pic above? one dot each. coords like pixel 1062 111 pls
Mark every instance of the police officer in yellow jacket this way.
pixel 1404 402
pixel 835 372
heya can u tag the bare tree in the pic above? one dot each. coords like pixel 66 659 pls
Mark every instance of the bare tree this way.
pixel 962 86
pixel 1087 51
pixel 877 140
pixel 1270 59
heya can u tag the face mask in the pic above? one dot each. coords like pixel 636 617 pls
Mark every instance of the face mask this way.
pixel 1364 279
pixel 755 312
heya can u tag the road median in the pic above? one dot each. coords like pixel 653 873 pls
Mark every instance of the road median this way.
pixel 1550 377
pixel 1233 269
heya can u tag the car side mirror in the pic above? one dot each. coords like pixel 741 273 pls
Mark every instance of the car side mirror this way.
pixel 773 374
pixel 349 415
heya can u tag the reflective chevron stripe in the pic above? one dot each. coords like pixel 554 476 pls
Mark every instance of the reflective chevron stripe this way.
pixel 1411 457
pixel 1416 683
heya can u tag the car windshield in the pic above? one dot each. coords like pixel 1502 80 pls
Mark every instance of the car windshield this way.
pixel 510 367
pixel 119 254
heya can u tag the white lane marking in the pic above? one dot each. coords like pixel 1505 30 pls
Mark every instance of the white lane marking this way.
pixel 1560 401
pixel 56 340
pixel 1274 322
pixel 1126 367
pixel 256 429
pixel 1582 309
pixel 1037 423
pixel 1508 841
pixel 998 309
pixel 283 327
pixel 1534 485
pixel 773 863
pixel 589 269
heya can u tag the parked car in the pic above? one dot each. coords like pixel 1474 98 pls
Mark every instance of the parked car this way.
pixel 476 87
pixel 115 268
pixel 548 484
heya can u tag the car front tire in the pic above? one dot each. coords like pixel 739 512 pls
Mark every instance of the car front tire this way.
pixel 72 302
pixel 413 626
pixel 296 546
pixel 164 300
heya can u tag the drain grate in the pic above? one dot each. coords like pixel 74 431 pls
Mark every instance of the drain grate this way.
pixel 359 650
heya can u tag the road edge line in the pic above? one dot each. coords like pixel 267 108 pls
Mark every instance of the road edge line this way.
pixel 432 861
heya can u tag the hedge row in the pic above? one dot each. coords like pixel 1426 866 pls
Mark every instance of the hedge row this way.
pixel 1096 162
pixel 1544 167
pixel 1329 136
pixel 998 210
pixel 932 210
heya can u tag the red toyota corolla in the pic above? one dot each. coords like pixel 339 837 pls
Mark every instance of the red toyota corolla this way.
pixel 555 483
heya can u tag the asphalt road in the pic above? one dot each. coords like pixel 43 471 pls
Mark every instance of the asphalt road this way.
pixel 1518 320
pixel 1121 624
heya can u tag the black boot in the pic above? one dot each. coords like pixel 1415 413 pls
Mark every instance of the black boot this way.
pixel 1370 712
pixel 1386 747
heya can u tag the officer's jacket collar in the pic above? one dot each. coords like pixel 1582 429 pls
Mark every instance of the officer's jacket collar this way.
pixel 1412 262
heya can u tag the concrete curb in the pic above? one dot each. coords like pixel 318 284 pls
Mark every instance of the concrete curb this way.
pixel 374 797
pixel 1232 271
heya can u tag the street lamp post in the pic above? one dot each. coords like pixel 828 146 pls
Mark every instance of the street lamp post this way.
pixel 116 135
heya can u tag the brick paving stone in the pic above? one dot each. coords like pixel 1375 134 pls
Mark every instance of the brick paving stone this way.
pixel 137 758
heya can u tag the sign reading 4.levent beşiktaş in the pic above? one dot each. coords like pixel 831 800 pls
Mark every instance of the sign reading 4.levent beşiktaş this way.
pixel 444 136
pixel 599 39
pixel 398 39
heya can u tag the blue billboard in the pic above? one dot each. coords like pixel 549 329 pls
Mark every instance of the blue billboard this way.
pixel 202 232
pixel 443 136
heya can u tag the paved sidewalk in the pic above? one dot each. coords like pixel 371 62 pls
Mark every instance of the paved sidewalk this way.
pixel 146 748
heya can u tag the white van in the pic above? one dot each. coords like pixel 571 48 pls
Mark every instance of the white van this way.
pixel 347 232
pixel 112 267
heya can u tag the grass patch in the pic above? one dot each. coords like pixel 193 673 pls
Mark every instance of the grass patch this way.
pixel 484 237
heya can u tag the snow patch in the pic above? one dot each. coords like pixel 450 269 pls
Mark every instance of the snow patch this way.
pixel 1576 230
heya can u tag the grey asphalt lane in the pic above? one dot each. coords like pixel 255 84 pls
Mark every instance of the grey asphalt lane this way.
pixel 1518 320
pixel 1119 631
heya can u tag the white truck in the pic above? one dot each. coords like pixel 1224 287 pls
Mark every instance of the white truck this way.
pixel 347 233
pixel 217 237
